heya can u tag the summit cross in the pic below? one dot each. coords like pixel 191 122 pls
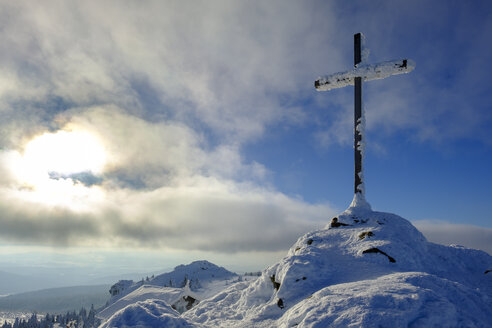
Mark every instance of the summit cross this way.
pixel 361 72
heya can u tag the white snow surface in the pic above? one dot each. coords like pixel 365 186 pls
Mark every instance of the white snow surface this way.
pixel 359 204
pixel 141 294
pixel 148 313
pixel 328 279
pixel 410 299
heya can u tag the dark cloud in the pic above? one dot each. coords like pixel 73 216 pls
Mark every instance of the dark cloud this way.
pixel 209 216
pixel 25 223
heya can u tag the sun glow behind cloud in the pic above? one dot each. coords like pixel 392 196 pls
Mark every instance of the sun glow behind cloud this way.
pixel 65 153
pixel 49 164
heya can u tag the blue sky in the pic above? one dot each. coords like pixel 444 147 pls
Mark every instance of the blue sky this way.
pixel 433 163
pixel 208 139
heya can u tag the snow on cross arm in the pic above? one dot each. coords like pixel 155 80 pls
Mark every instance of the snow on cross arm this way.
pixel 366 72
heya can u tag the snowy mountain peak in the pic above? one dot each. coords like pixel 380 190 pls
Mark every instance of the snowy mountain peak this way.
pixel 366 256
pixel 364 269
pixel 195 274
pixel 202 264
pixel 166 295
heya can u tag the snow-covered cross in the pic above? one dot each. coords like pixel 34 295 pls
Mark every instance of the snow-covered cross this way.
pixel 361 72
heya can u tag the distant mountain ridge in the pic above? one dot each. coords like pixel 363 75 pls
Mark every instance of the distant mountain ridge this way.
pixel 15 283
pixel 56 300
pixel 17 280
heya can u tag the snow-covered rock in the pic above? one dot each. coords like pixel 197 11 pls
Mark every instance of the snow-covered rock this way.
pixel 365 269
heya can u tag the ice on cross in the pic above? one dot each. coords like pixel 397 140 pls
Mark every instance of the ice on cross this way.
pixel 361 72
pixel 366 72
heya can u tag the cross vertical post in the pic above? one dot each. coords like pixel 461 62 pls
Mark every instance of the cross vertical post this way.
pixel 358 118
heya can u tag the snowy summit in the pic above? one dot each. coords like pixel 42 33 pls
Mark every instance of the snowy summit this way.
pixel 364 269
pixel 176 291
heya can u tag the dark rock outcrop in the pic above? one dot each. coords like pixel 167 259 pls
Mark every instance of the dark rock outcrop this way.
pixel 365 234
pixel 377 250
pixel 276 285
pixel 335 224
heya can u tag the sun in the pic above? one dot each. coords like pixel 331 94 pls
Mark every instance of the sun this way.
pixel 65 153
pixel 52 164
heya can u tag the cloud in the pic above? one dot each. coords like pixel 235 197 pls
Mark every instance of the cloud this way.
pixel 219 216
pixel 154 154
pixel 229 68
pixel 447 233
pixel 163 186
pixel 205 214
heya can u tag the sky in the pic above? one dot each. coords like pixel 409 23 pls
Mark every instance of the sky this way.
pixel 139 135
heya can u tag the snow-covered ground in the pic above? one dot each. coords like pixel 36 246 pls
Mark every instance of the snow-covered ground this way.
pixel 365 269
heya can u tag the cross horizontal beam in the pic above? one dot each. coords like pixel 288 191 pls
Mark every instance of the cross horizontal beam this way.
pixel 365 72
